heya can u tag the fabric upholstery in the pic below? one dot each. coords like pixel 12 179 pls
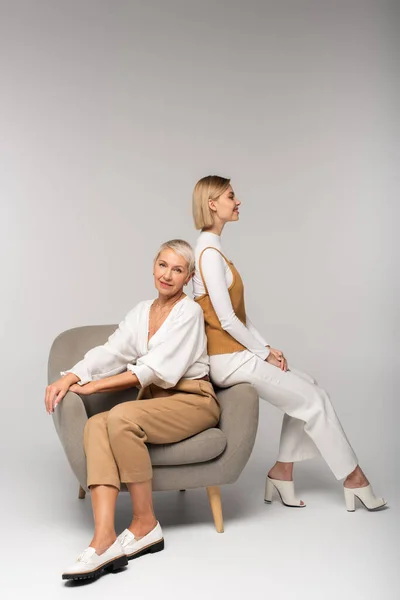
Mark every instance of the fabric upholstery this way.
pixel 213 457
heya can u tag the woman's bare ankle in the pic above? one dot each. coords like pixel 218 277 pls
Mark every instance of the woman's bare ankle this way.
pixel 101 541
pixel 142 526
pixel 282 471
pixel 356 479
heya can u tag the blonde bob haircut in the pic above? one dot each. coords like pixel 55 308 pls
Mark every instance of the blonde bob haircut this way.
pixel 206 189
pixel 183 249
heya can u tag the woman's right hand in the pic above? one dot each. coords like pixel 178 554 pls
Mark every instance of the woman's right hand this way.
pixel 56 391
pixel 276 358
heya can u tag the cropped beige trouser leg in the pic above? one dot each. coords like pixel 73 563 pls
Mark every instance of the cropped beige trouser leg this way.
pixel 115 441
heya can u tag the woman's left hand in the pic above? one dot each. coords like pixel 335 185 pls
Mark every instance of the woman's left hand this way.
pixel 278 354
pixel 84 390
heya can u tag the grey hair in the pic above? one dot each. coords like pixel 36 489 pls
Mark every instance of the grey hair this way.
pixel 182 248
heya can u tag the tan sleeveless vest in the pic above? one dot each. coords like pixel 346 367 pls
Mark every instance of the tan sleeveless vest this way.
pixel 218 340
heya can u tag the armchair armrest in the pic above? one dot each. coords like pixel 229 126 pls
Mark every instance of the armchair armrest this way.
pixel 69 419
pixel 239 422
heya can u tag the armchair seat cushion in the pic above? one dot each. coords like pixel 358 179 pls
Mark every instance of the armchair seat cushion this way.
pixel 197 449
pixel 212 458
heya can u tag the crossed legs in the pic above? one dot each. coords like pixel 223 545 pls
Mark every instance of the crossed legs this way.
pixel 116 450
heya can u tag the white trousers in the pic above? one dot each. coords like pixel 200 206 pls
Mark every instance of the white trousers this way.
pixel 310 425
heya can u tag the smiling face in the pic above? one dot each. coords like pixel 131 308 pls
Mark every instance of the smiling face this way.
pixel 226 207
pixel 171 273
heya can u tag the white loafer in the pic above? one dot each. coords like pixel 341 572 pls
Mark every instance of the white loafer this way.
pixel 90 565
pixel 150 543
pixel 365 495
pixel 285 490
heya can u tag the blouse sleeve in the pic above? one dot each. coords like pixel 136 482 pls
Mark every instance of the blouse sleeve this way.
pixel 112 357
pixel 167 363
pixel 255 332
pixel 213 269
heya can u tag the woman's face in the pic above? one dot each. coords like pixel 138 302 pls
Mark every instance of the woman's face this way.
pixel 170 273
pixel 226 207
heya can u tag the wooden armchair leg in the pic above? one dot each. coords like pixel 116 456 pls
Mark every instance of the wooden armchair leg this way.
pixel 82 493
pixel 214 497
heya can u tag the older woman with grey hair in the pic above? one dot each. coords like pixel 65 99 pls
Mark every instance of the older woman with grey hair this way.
pixel 160 347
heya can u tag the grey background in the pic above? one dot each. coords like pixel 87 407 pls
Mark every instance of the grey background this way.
pixel 110 112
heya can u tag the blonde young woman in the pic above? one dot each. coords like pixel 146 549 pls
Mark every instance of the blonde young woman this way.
pixel 239 353
pixel 159 347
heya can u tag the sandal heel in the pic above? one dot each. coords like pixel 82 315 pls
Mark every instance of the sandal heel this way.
pixel 350 500
pixel 366 497
pixel 269 488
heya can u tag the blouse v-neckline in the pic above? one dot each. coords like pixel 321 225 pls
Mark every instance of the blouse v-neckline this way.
pixel 151 302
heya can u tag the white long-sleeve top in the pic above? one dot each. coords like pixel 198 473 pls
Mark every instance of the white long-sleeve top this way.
pixel 177 350
pixel 218 277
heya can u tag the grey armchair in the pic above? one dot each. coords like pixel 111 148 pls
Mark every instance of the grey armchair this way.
pixel 210 459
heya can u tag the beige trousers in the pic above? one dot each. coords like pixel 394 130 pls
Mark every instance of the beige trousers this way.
pixel 115 440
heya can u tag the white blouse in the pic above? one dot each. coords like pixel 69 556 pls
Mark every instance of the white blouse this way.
pixel 218 277
pixel 177 350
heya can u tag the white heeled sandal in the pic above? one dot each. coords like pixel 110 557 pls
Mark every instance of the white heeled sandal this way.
pixel 285 490
pixel 365 495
